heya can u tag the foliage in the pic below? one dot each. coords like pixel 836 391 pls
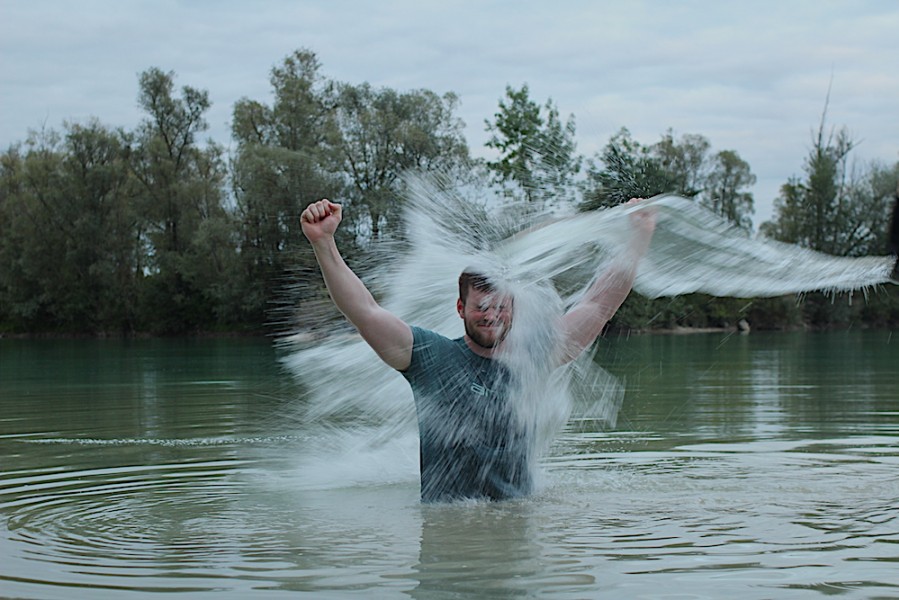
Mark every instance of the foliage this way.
pixel 383 133
pixel 154 230
pixel 687 311
pixel 725 186
pixel 626 169
pixel 537 161
pixel 325 139
pixel 180 208
pixel 838 209
pixel 283 161
pixel 66 245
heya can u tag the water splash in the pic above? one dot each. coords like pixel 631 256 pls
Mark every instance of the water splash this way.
pixel 693 250
pixel 545 261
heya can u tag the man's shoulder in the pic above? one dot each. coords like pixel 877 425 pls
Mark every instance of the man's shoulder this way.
pixel 428 342
pixel 422 335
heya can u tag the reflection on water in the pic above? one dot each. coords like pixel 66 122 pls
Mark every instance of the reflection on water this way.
pixel 740 467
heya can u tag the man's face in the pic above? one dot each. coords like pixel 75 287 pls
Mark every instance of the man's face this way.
pixel 487 317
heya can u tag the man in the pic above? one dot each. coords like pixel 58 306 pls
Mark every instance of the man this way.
pixel 471 443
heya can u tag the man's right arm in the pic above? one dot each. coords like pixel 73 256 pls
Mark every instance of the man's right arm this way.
pixel 388 335
pixel 584 322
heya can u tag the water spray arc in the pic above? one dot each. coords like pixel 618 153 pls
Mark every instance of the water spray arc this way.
pixel 362 408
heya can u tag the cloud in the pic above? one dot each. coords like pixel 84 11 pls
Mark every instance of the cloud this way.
pixel 752 77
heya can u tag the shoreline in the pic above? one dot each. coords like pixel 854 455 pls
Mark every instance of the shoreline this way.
pixel 310 336
pixel 204 335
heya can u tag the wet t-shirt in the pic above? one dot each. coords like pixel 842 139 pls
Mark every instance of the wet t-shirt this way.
pixel 472 445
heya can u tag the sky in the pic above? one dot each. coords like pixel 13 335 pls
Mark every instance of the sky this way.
pixel 753 77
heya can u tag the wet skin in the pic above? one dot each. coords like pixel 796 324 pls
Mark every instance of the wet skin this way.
pixel 487 317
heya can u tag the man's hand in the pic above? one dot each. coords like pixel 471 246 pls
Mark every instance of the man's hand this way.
pixel 644 224
pixel 320 220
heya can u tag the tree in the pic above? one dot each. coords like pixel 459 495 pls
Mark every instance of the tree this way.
pixel 284 160
pixel 622 170
pixel 684 162
pixel 67 246
pixel 626 169
pixel 23 233
pixel 319 139
pixel 724 189
pixel 383 134
pixel 181 195
pixel 104 249
pixel 838 209
pixel 538 157
pixel 880 182
pixel 834 208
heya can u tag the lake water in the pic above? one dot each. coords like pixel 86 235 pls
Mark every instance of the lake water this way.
pixel 759 466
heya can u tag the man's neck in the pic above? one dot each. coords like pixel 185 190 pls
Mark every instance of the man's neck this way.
pixel 478 349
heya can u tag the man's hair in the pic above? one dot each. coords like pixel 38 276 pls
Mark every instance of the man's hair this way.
pixel 473 280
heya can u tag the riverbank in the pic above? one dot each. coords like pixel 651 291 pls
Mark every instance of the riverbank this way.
pixel 51 335
pixel 307 337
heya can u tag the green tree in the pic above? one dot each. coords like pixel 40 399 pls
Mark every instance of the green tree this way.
pixel 838 209
pixel 181 205
pixel 381 135
pixel 104 249
pixel 68 248
pixel 625 169
pixel 537 152
pixel 284 160
pixel 834 208
pixel 321 139
pixel 880 182
pixel 684 162
pixel 808 210
pixel 27 232
pixel 725 189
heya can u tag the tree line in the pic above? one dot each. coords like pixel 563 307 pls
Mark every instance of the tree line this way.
pixel 155 230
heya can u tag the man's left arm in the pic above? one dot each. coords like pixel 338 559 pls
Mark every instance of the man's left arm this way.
pixel 585 321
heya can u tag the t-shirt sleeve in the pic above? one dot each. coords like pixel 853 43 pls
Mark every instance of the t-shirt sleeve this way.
pixel 425 350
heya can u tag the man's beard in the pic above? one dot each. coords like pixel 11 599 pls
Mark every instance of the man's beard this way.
pixel 475 336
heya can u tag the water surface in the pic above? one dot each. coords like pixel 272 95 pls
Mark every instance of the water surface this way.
pixel 760 466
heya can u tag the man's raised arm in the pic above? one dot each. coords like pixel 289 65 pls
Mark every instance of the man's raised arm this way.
pixel 585 321
pixel 388 335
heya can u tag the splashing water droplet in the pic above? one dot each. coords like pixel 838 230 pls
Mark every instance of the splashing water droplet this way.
pixel 544 261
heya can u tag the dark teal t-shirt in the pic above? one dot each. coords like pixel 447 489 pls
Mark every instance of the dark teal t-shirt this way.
pixel 472 445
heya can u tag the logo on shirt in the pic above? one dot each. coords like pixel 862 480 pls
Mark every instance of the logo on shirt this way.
pixel 479 389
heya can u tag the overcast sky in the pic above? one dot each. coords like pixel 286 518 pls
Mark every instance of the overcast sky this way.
pixel 749 76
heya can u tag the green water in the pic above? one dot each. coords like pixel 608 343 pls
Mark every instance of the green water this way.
pixel 759 466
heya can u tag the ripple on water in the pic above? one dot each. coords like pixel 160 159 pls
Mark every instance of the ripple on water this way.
pixel 181 521
pixel 86 513
pixel 812 515
pixel 801 515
